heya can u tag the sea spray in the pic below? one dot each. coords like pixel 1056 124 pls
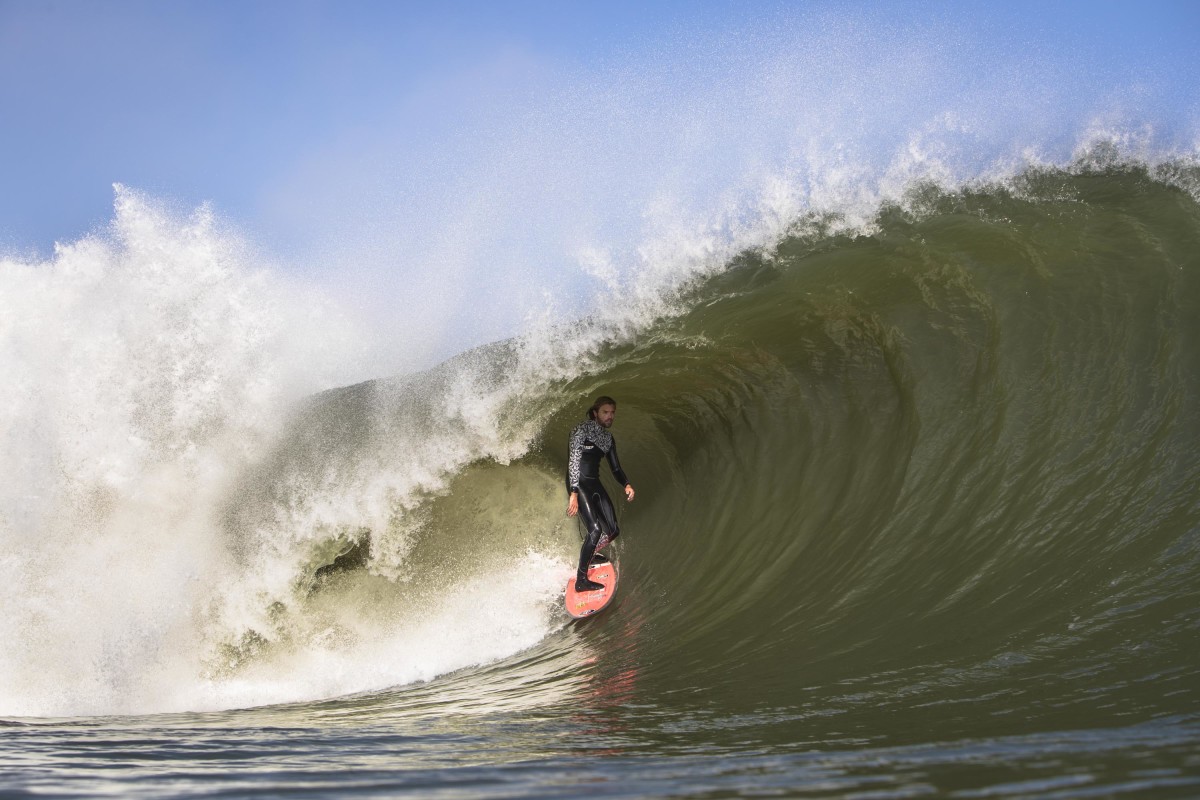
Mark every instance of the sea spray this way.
pixel 145 366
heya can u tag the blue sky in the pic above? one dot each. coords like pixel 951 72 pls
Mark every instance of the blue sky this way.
pixel 219 100
pixel 380 144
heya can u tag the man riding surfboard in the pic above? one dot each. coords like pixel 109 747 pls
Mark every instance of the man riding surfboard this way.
pixel 590 441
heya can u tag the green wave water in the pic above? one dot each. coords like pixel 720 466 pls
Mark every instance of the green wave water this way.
pixel 916 515
pixel 939 479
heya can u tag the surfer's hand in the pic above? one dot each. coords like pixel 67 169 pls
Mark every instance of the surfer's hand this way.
pixel 628 493
pixel 573 505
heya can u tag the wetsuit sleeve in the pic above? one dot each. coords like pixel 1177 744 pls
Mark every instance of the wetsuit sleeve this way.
pixel 613 463
pixel 574 456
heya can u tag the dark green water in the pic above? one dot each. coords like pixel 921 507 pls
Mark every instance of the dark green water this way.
pixel 935 484
pixel 917 516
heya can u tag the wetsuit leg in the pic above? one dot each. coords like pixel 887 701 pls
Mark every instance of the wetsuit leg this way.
pixel 599 518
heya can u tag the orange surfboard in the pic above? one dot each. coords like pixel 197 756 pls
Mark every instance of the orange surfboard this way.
pixel 584 604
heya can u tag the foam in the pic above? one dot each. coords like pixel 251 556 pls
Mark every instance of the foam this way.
pixel 146 365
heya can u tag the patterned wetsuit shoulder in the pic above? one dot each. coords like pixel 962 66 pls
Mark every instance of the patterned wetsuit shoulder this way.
pixel 575 455
pixel 583 433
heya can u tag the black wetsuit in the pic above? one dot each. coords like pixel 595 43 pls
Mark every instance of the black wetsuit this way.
pixel 589 442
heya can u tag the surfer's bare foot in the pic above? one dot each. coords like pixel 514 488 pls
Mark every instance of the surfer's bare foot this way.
pixel 584 585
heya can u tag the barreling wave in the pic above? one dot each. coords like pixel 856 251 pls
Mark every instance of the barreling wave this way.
pixel 949 465
pixel 944 460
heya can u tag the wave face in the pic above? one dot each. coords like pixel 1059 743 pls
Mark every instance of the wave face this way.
pixel 938 480
pixel 910 496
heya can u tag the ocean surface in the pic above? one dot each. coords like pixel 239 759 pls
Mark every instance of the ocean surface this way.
pixel 916 515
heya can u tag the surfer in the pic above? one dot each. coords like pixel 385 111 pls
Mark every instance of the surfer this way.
pixel 589 441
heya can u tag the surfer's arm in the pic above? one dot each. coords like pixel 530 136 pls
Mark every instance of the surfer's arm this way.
pixel 574 457
pixel 615 465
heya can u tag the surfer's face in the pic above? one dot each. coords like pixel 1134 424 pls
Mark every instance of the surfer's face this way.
pixel 605 414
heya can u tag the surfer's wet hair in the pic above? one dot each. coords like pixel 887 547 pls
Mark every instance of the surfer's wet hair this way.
pixel 602 400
